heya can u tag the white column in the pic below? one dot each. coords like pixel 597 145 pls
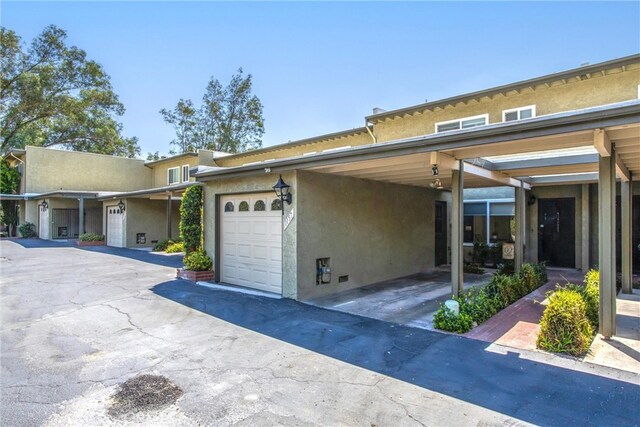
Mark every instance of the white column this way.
pixel 457 222
pixel 585 228
pixel 626 201
pixel 80 216
pixel 606 243
pixel 520 227
pixel 169 214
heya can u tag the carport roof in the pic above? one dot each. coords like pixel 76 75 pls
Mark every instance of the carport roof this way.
pixel 561 131
pixel 149 191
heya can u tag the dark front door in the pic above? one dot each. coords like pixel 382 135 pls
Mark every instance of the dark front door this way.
pixel 556 232
pixel 441 233
pixel 635 234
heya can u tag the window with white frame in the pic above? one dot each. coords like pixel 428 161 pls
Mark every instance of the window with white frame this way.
pixel 173 175
pixel 464 123
pixel 519 113
pixel 185 173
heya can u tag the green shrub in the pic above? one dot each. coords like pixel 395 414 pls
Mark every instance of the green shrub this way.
pixel 565 327
pixel 27 230
pixel 445 320
pixel 175 248
pixel 191 218
pixel 480 303
pixel 163 245
pixel 91 237
pixel 591 296
pixel 480 253
pixel 473 268
pixel 506 267
pixel 198 261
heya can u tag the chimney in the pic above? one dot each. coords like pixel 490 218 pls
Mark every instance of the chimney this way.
pixel 377 110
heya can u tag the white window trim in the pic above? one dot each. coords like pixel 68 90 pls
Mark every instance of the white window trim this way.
pixel 169 175
pixel 188 174
pixel 485 116
pixel 511 110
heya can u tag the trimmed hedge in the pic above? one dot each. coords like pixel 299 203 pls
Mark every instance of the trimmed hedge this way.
pixel 191 218
pixel 565 327
pixel 27 230
pixel 480 303
pixel 198 261
pixel 91 237
pixel 175 247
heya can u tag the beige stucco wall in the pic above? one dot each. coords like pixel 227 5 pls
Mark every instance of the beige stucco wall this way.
pixel 599 90
pixel 255 184
pixel 372 231
pixel 146 216
pixel 48 170
pixel 160 174
pixel 296 150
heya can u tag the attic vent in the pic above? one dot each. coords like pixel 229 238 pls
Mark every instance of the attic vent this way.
pixel 377 110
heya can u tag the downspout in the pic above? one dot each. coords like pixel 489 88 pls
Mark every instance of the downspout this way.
pixel 366 125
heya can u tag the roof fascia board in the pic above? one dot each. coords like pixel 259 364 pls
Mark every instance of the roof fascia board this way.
pixel 148 191
pixel 564 179
pixel 579 159
pixel 589 69
pixel 629 113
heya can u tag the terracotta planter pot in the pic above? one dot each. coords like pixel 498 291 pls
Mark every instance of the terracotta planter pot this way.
pixel 195 276
pixel 100 243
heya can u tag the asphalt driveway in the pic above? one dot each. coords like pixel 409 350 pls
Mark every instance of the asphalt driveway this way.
pixel 78 323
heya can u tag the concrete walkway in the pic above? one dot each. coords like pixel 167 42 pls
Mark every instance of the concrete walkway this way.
pixel 410 300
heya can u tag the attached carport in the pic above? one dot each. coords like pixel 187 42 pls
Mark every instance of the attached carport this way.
pixel 141 218
pixel 554 150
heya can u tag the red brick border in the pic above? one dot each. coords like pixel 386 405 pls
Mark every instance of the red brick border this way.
pixel 194 276
pixel 100 243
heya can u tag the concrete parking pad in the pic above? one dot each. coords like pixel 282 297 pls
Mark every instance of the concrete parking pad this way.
pixel 78 323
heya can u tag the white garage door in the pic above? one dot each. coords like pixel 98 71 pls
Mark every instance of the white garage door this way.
pixel 43 223
pixel 115 228
pixel 251 241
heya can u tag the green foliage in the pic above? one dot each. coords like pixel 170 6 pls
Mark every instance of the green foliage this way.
pixel 9 178
pixel 564 324
pixel 174 248
pixel 27 230
pixel 473 268
pixel 506 266
pixel 91 237
pixel 52 95
pixel 191 218
pixel 591 296
pixel 163 245
pixel 480 252
pixel 480 303
pixel 198 261
pixel 445 320
pixel 230 118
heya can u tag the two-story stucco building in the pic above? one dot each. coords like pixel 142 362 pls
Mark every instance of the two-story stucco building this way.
pixel 386 200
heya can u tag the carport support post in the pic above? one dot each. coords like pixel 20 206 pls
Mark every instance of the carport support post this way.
pixel 606 244
pixel 457 222
pixel 520 224
pixel 81 216
pixel 169 215
pixel 626 201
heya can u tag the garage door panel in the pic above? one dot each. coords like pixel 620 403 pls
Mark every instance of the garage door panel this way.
pixel 115 226
pixel 251 243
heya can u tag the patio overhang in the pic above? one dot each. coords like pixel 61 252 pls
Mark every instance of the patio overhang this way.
pixel 158 193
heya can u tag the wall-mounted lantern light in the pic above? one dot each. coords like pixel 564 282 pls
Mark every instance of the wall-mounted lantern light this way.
pixel 532 200
pixel 44 205
pixel 434 170
pixel 282 191
pixel 437 184
pixel 121 205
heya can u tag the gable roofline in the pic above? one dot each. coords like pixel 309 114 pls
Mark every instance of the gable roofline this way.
pixel 300 142
pixel 170 158
pixel 523 84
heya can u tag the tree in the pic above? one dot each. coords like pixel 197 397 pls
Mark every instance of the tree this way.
pixel 229 119
pixel 155 156
pixel 9 184
pixel 52 95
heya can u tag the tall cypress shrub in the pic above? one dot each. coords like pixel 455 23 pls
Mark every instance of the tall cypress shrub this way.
pixel 191 219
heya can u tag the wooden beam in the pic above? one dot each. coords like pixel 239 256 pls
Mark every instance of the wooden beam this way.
pixel 602 143
pixel 494 176
pixel 621 170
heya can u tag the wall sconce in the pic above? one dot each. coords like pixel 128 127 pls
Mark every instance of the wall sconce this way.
pixel 434 170
pixel 532 200
pixel 121 205
pixel 282 191
pixel 437 184
pixel 44 205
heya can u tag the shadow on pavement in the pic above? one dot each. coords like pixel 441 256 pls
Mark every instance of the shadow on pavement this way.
pixel 173 260
pixel 456 366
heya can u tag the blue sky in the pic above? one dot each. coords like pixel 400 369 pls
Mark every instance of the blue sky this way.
pixel 321 67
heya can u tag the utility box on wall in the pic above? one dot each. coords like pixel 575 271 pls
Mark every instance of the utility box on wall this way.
pixel 323 271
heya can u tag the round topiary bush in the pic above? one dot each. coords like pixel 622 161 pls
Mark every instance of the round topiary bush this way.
pixel 565 327
pixel 198 261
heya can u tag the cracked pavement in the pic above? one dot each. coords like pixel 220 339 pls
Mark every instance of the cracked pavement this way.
pixel 78 322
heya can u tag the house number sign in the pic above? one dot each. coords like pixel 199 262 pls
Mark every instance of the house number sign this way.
pixel 288 219
pixel 508 250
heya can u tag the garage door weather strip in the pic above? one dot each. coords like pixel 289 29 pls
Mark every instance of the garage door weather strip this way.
pixel 239 289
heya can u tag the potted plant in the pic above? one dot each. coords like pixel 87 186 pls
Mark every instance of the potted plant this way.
pixel 91 239
pixel 197 264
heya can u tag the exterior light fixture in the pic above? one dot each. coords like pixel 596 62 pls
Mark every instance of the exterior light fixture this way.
pixel 44 205
pixel 282 191
pixel 434 170
pixel 532 200
pixel 437 184
pixel 121 205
